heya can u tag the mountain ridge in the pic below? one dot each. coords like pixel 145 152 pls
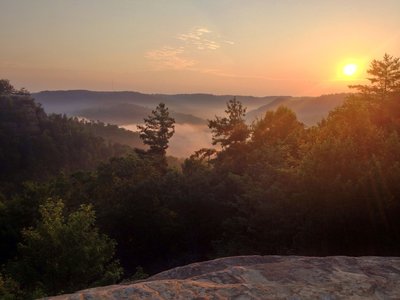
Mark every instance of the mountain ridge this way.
pixel 203 106
pixel 191 111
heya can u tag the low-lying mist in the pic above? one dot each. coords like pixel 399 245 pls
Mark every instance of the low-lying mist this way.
pixel 187 138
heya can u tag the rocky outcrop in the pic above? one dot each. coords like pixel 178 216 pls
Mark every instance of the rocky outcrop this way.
pixel 265 277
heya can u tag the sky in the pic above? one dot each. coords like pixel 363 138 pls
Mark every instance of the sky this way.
pixel 240 47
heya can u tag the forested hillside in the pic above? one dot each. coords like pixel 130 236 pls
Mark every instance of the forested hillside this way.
pixel 276 187
pixel 35 145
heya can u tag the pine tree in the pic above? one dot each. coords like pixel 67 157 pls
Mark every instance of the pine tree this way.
pixel 385 77
pixel 231 129
pixel 158 129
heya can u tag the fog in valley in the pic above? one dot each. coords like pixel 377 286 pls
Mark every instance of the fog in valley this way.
pixel 187 139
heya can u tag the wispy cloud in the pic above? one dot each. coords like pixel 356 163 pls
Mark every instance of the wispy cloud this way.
pixel 169 57
pixel 229 42
pixel 178 57
pixel 199 38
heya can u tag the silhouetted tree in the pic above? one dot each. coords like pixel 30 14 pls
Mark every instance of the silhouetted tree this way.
pixel 158 129
pixel 231 129
pixel 6 87
pixel 385 77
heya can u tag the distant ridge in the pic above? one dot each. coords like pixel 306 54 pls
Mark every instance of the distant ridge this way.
pixel 125 107
pixel 87 103
pixel 68 101
pixel 309 110
pixel 191 111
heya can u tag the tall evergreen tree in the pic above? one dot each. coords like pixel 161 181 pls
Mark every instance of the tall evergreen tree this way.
pixel 158 129
pixel 385 77
pixel 231 129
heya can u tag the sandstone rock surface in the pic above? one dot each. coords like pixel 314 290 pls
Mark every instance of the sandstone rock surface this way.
pixel 264 277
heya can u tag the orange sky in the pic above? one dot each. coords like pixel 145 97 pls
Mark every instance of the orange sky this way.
pixel 251 47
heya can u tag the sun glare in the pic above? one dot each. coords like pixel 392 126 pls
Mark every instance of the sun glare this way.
pixel 349 69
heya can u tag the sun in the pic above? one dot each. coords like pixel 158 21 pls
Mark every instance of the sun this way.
pixel 350 69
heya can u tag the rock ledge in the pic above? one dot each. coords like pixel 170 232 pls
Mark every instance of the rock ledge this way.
pixel 264 277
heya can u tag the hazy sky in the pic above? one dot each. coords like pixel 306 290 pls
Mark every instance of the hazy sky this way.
pixel 258 47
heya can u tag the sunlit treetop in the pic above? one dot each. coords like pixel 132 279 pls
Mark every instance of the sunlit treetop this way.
pixel 385 77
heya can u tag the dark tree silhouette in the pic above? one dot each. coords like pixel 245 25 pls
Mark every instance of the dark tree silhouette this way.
pixel 385 77
pixel 6 87
pixel 231 129
pixel 157 130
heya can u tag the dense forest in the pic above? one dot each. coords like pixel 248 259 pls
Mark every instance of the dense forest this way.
pixel 78 211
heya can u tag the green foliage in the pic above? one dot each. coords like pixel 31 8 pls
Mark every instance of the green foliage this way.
pixel 64 254
pixel 9 288
pixel 279 131
pixel 113 134
pixel 17 212
pixel 280 126
pixel 139 274
pixel 348 170
pixel 231 129
pixel 157 130
pixel 201 159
